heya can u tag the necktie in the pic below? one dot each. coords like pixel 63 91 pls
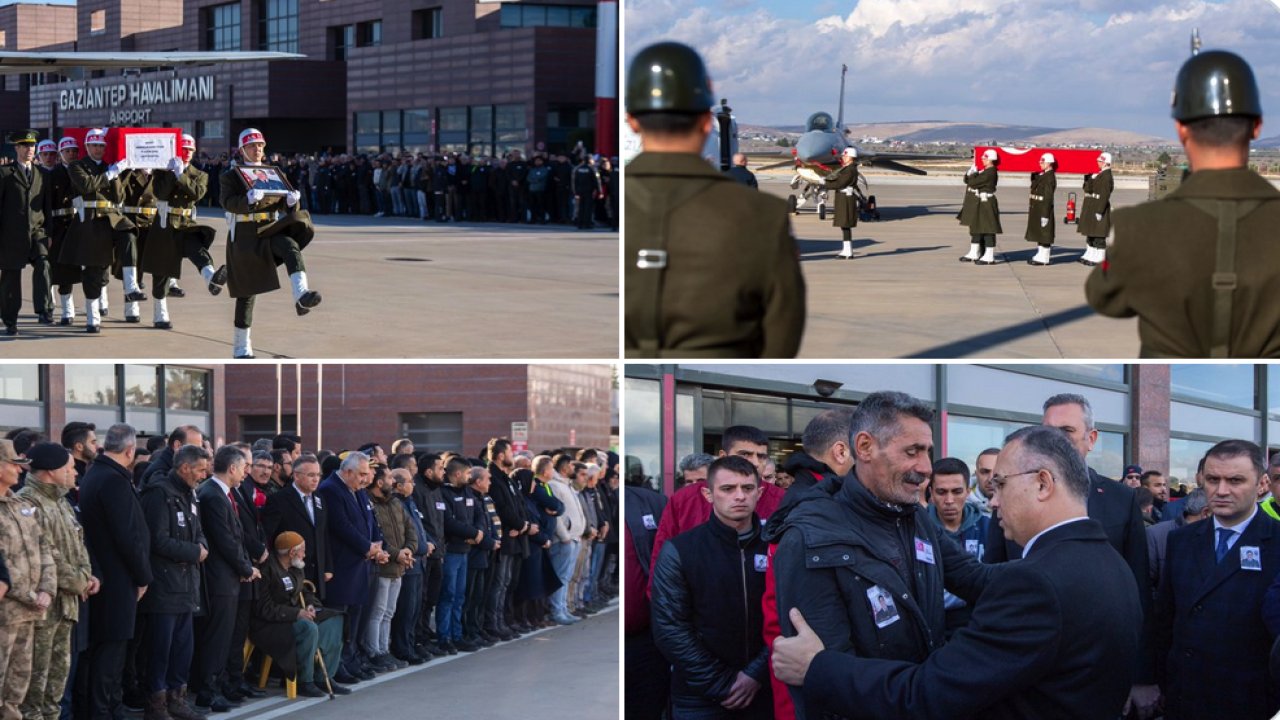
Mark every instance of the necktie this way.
pixel 311 511
pixel 1224 535
pixel 234 507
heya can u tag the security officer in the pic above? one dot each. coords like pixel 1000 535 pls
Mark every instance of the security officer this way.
pixel 586 186
pixel 267 231
pixel 57 220
pixel 99 232
pixel 1095 212
pixel 711 266
pixel 845 182
pixel 1040 229
pixel 984 223
pixel 176 234
pixel 1197 266
pixel 22 236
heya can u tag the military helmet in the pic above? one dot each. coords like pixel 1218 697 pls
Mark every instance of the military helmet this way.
pixel 668 77
pixel 1215 83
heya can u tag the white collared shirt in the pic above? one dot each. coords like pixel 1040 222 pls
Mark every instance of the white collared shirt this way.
pixel 308 503
pixel 218 481
pixel 1027 550
pixel 1239 528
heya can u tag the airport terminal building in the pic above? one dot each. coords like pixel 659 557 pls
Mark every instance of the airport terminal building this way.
pixel 1163 417
pixel 482 76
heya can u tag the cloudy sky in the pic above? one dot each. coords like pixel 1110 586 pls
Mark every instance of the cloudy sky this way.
pixel 1054 63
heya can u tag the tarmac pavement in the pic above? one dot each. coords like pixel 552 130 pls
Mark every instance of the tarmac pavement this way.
pixel 905 295
pixel 392 288
pixel 552 674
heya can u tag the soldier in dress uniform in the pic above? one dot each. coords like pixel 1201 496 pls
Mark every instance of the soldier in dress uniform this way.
pixel 267 231
pixel 711 266
pixel 985 222
pixel 1095 212
pixel 139 205
pixel 47 155
pixel 1199 266
pixel 57 221
pixel 1040 228
pixel 22 236
pixel 845 182
pixel 176 234
pixel 99 232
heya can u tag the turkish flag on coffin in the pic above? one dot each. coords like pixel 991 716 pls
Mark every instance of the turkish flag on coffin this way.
pixel 116 139
pixel 1027 160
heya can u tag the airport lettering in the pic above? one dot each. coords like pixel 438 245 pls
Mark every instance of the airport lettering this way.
pixel 144 92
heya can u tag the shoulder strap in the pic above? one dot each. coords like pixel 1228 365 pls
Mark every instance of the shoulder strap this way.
pixel 647 217
pixel 1229 213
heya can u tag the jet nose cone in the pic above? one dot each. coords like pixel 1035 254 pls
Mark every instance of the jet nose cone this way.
pixel 815 146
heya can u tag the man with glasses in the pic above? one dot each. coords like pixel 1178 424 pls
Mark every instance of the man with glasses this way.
pixel 1053 635
pixel 1113 505
pixel 298 509
pixel 852 539
pixel 1132 477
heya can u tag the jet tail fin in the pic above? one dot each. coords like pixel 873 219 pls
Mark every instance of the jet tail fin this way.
pixel 844 69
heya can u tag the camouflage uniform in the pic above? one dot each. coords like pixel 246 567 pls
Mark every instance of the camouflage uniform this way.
pixel 52 655
pixel 31 571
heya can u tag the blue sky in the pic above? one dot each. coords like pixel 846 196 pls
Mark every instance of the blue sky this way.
pixel 1056 63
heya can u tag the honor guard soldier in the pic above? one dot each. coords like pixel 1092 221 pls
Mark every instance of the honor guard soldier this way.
pixel 1198 266
pixel 99 232
pixel 57 222
pixel 139 205
pixel 845 182
pixel 1040 228
pixel 22 235
pixel 984 223
pixel 711 266
pixel 1095 212
pixel 47 155
pixel 266 231
pixel 176 234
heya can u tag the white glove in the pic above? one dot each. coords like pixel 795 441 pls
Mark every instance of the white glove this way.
pixel 255 196
pixel 119 166
pixel 848 191
pixel 292 198
pixel 1099 216
pixel 176 166
pixel 1044 222
pixel 973 169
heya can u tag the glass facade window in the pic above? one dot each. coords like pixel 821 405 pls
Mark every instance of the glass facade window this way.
pixel 511 129
pixel 91 385
pixel 428 23
pixel 481 135
pixel 368 132
pixel 453 129
pixel 369 34
pixel 186 389
pixel 1273 389
pixel 212 128
pixel 528 15
pixel 432 431
pixel 1231 385
pixel 140 386
pixel 97 22
pixel 1109 373
pixel 278 25
pixel 222 27
pixel 341 39
pixel 1184 458
pixel 644 430
pixel 417 130
pixel 968 436
pixel 20 382
pixel 391 140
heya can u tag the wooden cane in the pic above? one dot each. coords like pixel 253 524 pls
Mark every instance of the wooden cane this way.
pixel 319 655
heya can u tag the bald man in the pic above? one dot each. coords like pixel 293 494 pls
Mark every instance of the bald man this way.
pixel 740 173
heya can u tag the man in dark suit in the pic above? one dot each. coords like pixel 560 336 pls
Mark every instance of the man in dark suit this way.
pixel 235 688
pixel 354 540
pixel 1113 505
pixel 1212 646
pixel 116 533
pixel 298 509
pixel 1054 635
pixel 227 566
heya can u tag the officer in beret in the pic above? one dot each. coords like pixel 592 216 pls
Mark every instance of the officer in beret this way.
pixel 711 266
pixel 266 231
pixel 1198 267
pixel 23 240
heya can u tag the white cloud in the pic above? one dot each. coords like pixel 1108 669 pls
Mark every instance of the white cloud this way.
pixel 1046 62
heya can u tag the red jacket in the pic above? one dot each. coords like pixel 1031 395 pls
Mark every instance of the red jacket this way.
pixel 687 509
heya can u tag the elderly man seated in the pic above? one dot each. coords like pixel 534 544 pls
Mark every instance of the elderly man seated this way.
pixel 287 607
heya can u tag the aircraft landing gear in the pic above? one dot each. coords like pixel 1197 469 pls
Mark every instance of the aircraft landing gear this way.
pixel 822 211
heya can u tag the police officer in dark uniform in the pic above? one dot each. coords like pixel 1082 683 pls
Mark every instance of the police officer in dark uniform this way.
pixel 176 234
pixel 985 221
pixel 266 231
pixel 711 266
pixel 99 233
pixel 1199 266
pixel 23 240
pixel 586 186
pixel 1040 228
pixel 57 220
pixel 1095 212
pixel 845 184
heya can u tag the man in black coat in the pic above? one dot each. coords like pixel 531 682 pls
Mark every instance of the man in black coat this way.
pixel 162 462
pixel 23 240
pixel 428 495
pixel 509 502
pixel 235 688
pixel 706 590
pixel 227 566
pixel 1212 648
pixel 297 508
pixel 1055 635
pixel 1115 507
pixel 178 546
pixel 116 534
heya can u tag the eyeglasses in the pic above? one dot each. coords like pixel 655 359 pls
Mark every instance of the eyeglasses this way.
pixel 998 480
pixel 1135 476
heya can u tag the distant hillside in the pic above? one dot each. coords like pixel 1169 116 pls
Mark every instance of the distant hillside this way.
pixel 1271 142
pixel 936 131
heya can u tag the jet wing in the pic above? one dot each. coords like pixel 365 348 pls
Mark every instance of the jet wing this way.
pixel 890 161
pixel 12 62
